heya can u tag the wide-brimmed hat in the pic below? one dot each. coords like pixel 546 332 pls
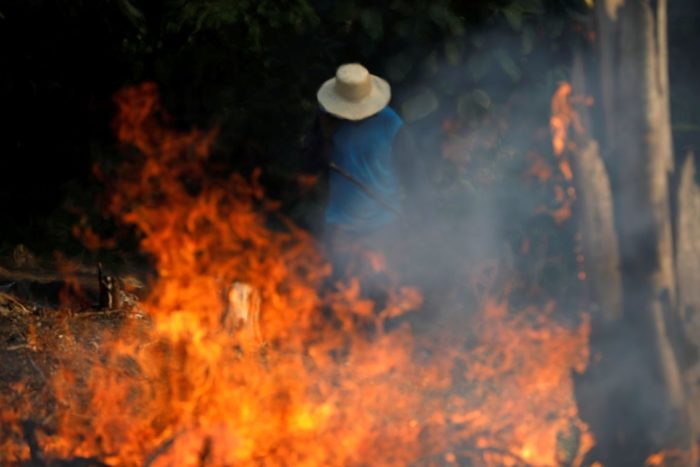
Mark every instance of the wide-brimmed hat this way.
pixel 354 93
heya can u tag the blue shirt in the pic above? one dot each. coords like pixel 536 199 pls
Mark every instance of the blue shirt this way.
pixel 364 150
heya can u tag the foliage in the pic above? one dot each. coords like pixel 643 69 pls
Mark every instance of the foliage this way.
pixel 684 29
pixel 252 69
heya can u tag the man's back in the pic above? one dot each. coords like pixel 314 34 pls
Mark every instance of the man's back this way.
pixel 364 190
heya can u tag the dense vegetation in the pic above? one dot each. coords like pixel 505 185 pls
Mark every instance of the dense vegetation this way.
pixel 473 78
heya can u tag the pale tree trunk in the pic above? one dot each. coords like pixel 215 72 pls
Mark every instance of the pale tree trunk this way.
pixel 595 222
pixel 594 214
pixel 688 271
pixel 646 406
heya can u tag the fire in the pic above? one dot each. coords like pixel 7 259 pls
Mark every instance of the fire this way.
pixel 563 121
pixel 319 381
pixel 563 117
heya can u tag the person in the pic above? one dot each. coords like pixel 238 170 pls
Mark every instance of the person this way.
pixel 373 171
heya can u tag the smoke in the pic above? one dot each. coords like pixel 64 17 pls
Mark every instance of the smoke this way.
pixel 472 201
pixel 489 236
pixel 499 218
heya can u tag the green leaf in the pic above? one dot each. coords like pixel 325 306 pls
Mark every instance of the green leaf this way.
pixel 556 27
pixel 465 106
pixel 254 34
pixel 478 65
pixel 403 29
pixel 420 105
pixel 133 14
pixel 514 16
pixel 472 104
pixel 343 11
pixel 477 40
pixel 508 65
pixel 481 98
pixel 431 64
pixel 453 52
pixel 398 66
pixel 439 15
pixel 372 22
pixel 534 7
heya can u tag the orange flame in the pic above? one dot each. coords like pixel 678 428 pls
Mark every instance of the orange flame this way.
pixel 673 457
pixel 324 384
pixel 564 118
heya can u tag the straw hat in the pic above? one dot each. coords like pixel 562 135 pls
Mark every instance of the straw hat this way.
pixel 354 94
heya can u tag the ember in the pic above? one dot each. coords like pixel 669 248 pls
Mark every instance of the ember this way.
pixel 321 382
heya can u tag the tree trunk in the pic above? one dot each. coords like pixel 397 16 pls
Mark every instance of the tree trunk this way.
pixel 601 261
pixel 688 270
pixel 647 402
pixel 595 214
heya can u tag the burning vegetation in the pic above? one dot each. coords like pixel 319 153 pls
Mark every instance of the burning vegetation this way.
pixel 542 310
pixel 243 353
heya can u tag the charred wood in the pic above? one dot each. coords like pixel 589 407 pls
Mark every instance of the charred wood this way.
pixel 39 459
pixel 110 297
pixel 88 290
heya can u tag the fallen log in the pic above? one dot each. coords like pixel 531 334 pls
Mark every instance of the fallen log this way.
pixel 92 288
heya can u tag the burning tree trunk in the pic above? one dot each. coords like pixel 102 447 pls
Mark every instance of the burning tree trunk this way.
pixel 644 409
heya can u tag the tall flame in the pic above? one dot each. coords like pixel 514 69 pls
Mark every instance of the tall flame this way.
pixel 564 118
pixel 325 384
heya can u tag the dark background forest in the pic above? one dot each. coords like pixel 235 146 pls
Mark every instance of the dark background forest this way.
pixel 251 68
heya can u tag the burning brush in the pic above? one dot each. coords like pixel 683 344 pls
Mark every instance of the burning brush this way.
pixel 180 388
